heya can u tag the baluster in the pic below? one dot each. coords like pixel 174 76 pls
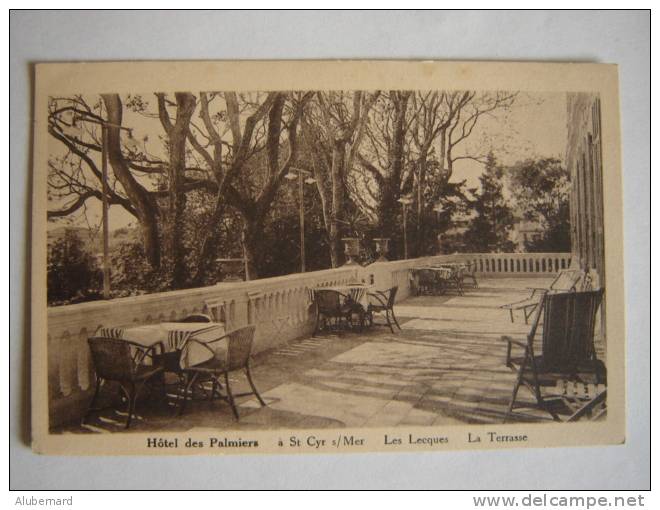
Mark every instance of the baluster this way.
pixel 65 364
pixel 83 371
pixel 53 368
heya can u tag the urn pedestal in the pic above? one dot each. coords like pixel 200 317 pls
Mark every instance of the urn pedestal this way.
pixel 382 247
pixel 351 250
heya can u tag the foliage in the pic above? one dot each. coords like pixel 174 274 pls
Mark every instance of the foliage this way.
pixel 207 179
pixel 489 230
pixel 541 189
pixel 72 273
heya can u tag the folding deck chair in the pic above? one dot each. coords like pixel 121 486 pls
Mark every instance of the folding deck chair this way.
pixel 567 362
pixel 566 281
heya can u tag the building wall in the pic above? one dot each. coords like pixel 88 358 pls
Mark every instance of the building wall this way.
pixel 584 161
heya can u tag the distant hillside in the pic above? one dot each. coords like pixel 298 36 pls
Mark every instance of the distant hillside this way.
pixel 93 238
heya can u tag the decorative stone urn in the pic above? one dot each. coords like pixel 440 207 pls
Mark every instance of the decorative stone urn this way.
pixel 351 250
pixel 382 247
pixel 232 269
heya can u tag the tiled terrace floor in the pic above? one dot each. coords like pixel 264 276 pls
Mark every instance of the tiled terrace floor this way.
pixel 446 366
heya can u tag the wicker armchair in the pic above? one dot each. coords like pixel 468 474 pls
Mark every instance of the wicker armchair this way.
pixel 235 357
pixel 333 305
pixel 121 361
pixel 427 281
pixel 383 302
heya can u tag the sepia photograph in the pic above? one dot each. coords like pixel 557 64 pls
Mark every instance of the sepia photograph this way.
pixel 396 263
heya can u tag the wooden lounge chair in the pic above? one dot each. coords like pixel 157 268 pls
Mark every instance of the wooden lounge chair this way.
pixel 566 281
pixel 114 360
pixel 235 357
pixel 567 356
pixel 383 302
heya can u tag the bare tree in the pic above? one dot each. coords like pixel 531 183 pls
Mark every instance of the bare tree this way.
pixel 75 187
pixel 413 144
pixel 384 159
pixel 333 130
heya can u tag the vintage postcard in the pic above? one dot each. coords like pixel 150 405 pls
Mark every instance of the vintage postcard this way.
pixel 309 257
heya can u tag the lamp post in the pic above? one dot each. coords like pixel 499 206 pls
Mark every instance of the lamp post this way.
pixel 299 173
pixel 405 202
pixel 75 131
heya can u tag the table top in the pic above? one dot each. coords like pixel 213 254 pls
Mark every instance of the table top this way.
pixel 150 334
pixel 358 292
pixel 194 353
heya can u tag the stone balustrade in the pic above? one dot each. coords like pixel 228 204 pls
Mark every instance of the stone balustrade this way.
pixel 280 307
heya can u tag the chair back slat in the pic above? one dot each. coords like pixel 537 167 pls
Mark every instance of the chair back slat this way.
pixel 568 327
pixel 239 347
pixel 112 358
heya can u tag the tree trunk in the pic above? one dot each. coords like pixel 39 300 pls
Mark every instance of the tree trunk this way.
pixel 144 204
pixel 391 191
pixel 209 250
pixel 253 244
pixel 177 197
pixel 337 182
pixel 418 249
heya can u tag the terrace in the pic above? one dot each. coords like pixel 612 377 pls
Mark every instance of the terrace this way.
pixel 446 366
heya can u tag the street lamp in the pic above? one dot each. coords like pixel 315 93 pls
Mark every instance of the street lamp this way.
pixel 75 131
pixel 299 173
pixel 405 202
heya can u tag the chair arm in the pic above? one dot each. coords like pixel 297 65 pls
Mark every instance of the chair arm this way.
pixel 380 299
pixel 202 344
pixel 193 339
pixel 518 305
pixel 509 340
pixel 144 351
pixel 534 290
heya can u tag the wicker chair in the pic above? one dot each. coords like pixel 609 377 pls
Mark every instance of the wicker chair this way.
pixel 235 357
pixel 427 281
pixel 567 354
pixel 115 360
pixel 383 302
pixel 332 304
pixel 450 277
pixel 170 358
